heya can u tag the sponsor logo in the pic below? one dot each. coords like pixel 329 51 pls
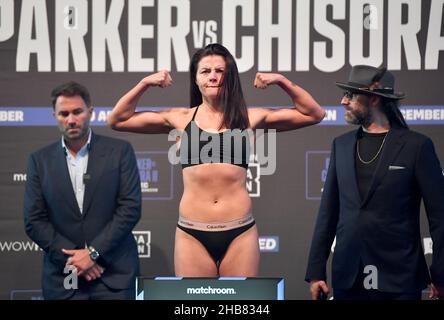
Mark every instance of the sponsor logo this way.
pixel 316 168
pixel 156 175
pixel 148 174
pixel 143 240
pixel 269 244
pixel 19 177
pixel 253 180
pixel 18 246
pixel 211 290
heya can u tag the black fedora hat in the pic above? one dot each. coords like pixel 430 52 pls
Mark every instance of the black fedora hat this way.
pixel 371 80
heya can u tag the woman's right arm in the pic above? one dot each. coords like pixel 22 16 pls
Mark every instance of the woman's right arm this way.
pixel 124 116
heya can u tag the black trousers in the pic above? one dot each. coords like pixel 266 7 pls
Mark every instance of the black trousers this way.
pixel 97 290
pixel 359 292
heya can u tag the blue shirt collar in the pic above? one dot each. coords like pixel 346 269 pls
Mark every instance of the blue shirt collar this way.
pixel 83 150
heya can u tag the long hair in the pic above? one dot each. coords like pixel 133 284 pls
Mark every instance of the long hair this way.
pixel 231 97
pixel 390 108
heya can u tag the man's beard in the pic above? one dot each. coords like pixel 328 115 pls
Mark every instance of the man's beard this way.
pixel 83 131
pixel 360 117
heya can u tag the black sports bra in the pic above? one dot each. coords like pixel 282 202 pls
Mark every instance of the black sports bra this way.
pixel 198 146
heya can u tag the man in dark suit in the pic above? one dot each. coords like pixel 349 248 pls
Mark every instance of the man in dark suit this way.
pixel 82 201
pixel 376 179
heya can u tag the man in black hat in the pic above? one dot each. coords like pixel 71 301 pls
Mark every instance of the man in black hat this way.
pixel 377 176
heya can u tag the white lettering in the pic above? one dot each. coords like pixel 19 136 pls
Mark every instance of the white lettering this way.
pixel 210 31
pixel 73 37
pixel 303 35
pixel 268 30
pixel 375 29
pixel 422 114
pixel 435 43
pixel 19 177
pixel 11 116
pixel 334 33
pixel 6 19
pixel 173 38
pixel 136 32
pixel 399 33
pixel 106 35
pixel 244 60
pixel 33 11
pixel 198 28
pixel 18 246
pixel 331 115
pixel 211 290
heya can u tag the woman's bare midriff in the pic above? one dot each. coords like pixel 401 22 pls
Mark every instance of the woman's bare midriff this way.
pixel 214 192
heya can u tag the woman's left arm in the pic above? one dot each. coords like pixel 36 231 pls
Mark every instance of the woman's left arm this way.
pixel 305 111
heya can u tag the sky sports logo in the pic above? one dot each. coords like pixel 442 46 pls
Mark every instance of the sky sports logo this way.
pixel 269 244
pixel 211 290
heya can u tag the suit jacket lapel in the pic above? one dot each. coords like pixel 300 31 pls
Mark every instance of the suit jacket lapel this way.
pixel 63 180
pixel 349 165
pixel 391 148
pixel 96 164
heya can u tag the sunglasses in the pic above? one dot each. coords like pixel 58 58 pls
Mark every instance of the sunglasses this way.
pixel 350 95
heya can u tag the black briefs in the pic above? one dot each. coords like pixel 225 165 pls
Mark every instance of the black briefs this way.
pixel 217 242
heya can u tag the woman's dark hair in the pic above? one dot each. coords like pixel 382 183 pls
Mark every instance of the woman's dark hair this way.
pixel 390 108
pixel 232 97
pixel 70 89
